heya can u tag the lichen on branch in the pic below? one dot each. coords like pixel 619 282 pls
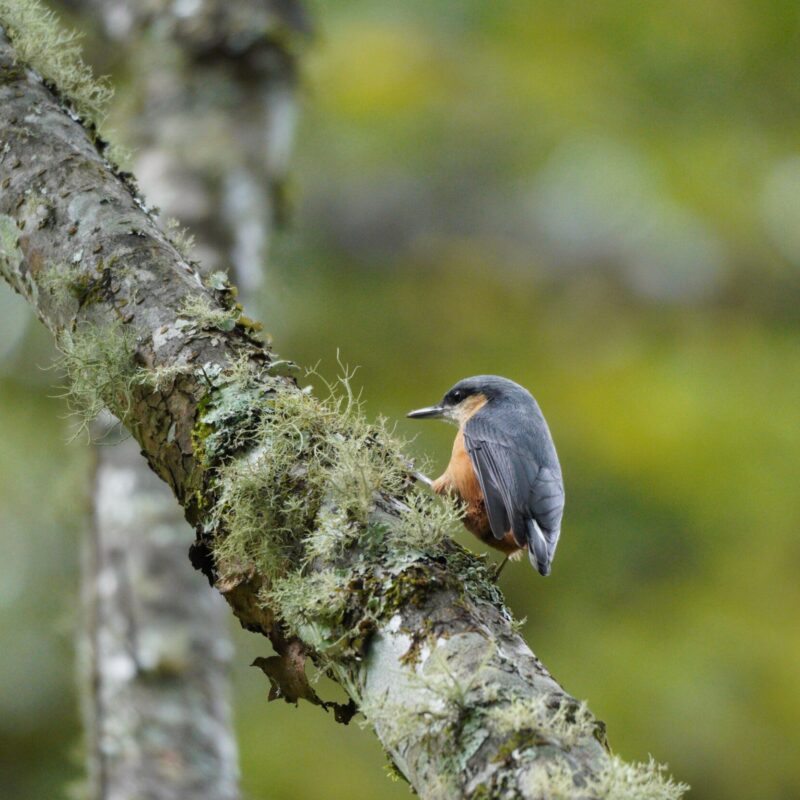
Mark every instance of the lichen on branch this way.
pixel 55 54
pixel 100 371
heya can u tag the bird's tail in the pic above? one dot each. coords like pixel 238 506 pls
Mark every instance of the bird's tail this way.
pixel 538 551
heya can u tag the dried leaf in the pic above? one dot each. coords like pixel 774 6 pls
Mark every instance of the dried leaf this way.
pixel 287 675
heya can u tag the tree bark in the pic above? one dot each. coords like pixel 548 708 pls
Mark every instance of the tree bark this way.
pixel 214 111
pixel 417 634
pixel 158 649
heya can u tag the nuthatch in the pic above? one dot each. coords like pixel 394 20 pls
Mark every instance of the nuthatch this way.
pixel 504 467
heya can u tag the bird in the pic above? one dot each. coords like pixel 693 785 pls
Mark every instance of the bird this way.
pixel 503 468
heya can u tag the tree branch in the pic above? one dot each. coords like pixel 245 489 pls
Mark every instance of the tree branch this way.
pixel 307 519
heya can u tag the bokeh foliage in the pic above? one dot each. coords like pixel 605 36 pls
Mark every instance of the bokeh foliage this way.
pixel 602 202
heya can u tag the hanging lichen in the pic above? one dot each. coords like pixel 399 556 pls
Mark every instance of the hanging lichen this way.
pixel 55 53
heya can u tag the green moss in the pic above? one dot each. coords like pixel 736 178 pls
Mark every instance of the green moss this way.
pixel 249 324
pixel 42 44
pixel 200 432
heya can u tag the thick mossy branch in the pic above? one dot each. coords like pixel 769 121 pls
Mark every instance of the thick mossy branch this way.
pixel 306 453
pixel 55 54
pixel 467 711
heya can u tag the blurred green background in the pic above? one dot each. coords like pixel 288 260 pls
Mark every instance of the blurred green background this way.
pixel 600 201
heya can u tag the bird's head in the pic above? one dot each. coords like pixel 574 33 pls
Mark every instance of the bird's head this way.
pixel 467 397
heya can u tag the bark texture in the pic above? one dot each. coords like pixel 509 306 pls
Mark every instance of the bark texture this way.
pixel 159 651
pixel 213 111
pixel 418 636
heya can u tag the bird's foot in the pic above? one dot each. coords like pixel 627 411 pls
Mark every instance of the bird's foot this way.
pixel 499 568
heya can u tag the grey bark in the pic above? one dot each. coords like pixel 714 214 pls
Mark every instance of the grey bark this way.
pixel 163 729
pixel 213 117
pixel 159 652
pixel 458 699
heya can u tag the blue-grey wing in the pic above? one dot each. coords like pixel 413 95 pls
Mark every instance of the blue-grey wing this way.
pixel 495 494
pixel 520 477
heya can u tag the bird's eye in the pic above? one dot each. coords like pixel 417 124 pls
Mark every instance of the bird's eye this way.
pixel 457 396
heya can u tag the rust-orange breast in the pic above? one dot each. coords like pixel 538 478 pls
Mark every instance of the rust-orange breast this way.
pixel 460 474
pixel 460 479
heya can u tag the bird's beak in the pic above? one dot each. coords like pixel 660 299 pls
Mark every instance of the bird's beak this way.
pixel 431 412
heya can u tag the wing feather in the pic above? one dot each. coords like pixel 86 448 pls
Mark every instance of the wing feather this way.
pixel 520 477
pixel 496 507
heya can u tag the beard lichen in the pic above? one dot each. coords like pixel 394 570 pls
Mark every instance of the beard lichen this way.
pixel 55 54
pixel 180 237
pixel 305 453
pixel 555 779
pixel 554 718
pixel 101 371
pixel 198 310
